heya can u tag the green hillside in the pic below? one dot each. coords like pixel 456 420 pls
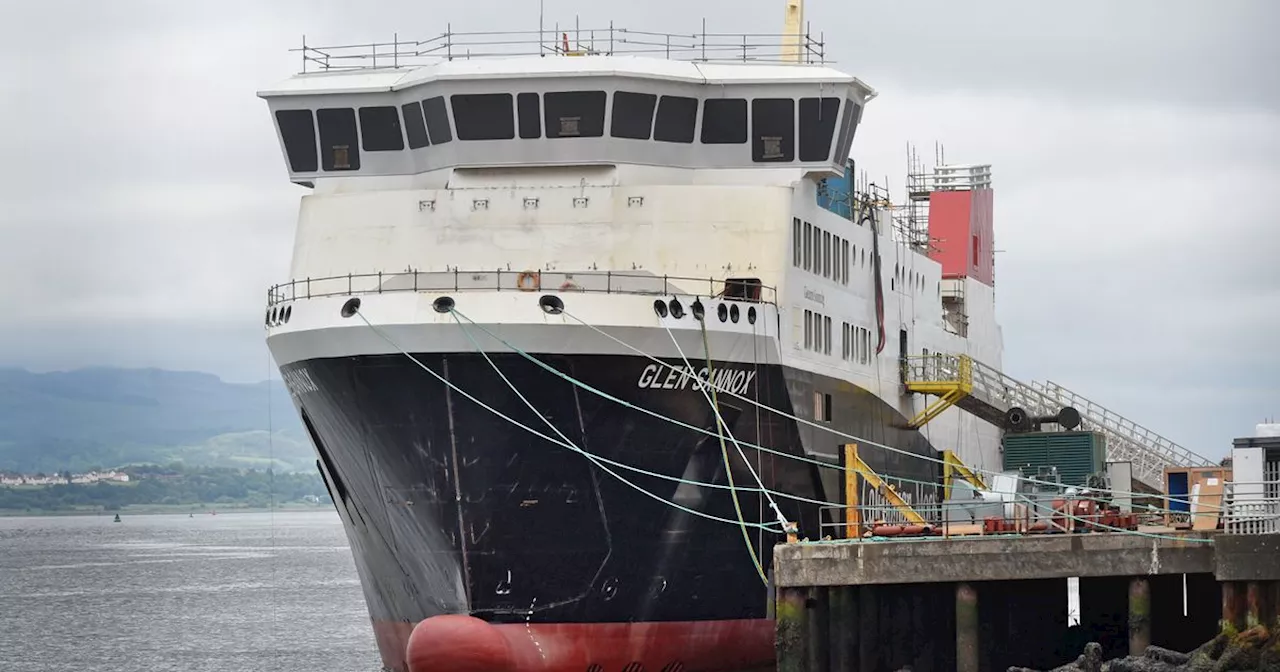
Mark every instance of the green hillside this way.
pixel 102 417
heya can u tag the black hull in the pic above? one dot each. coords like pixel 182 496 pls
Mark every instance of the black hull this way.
pixel 452 510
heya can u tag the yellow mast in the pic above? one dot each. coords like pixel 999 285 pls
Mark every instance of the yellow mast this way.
pixel 793 32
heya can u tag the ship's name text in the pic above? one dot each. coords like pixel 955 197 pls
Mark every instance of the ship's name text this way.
pixel 815 296
pixel 655 377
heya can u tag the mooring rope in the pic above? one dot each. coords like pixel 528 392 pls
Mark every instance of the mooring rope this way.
pixel 857 439
pixel 593 458
pixel 605 395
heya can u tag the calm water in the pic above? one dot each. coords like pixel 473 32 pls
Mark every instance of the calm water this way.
pixel 227 592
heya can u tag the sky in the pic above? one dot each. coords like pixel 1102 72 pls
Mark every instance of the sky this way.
pixel 144 207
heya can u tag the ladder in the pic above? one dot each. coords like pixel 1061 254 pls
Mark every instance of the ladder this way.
pixel 986 392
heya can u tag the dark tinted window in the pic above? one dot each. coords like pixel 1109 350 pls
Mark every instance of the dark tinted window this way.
pixel 846 133
pixel 773 129
pixel 633 115
pixel 437 120
pixel 574 114
pixel 530 115
pixel 677 117
pixel 484 116
pixel 414 126
pixel 724 121
pixel 380 129
pixel 338 146
pixel 298 131
pixel 818 118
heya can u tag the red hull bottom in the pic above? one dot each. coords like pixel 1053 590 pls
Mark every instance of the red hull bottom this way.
pixel 465 644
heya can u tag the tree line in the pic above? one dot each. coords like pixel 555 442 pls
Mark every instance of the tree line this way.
pixel 171 485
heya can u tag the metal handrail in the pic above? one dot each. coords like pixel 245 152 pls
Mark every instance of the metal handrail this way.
pixel 457 280
pixel 1256 512
pixel 561 41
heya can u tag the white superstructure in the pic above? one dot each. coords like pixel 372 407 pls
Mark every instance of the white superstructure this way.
pixel 611 180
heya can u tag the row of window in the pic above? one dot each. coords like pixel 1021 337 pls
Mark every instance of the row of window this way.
pixel 822 252
pixel 817 332
pixel 855 343
pixel 565 114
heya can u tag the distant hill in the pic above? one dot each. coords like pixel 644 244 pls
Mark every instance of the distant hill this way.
pixel 104 417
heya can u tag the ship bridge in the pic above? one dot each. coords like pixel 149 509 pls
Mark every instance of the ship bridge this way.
pixel 535 99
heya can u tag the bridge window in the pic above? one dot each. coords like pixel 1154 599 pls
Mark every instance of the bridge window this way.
pixel 773 130
pixel 575 114
pixel 298 131
pixel 846 132
pixel 818 118
pixel 633 115
pixel 724 121
pixel 437 120
pixel 414 126
pixel 677 117
pixel 484 116
pixel 380 129
pixel 338 142
pixel 529 109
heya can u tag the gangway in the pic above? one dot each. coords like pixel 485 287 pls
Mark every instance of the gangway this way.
pixel 986 392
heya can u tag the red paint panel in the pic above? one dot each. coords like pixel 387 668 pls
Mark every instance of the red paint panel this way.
pixel 949 216
pixel 463 643
pixel 962 233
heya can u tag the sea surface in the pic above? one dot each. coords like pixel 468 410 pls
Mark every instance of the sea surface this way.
pixel 227 592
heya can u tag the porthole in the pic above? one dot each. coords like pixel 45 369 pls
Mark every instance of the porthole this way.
pixel 751 315
pixel 722 311
pixel 442 304
pixel 351 307
pixel 733 314
pixel 699 311
pixel 288 312
pixel 677 310
pixel 660 308
pixel 266 319
pixel 634 667
pixel 551 305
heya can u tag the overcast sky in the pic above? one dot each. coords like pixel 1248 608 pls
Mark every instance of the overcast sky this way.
pixel 1135 147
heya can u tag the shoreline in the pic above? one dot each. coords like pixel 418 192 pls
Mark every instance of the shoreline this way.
pixel 163 510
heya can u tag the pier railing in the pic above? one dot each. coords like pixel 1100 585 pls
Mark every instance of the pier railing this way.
pixel 1251 508
pixel 558 40
pixel 600 282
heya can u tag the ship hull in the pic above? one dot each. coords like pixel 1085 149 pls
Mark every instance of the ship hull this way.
pixel 453 510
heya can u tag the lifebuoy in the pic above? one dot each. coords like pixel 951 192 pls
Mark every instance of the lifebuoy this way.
pixel 528 281
pixel 569 286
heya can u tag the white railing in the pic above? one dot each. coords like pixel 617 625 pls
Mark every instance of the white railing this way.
pixel 457 280
pixel 1251 508
pixel 557 40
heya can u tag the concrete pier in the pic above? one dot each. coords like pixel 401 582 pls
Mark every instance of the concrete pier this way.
pixel 983 603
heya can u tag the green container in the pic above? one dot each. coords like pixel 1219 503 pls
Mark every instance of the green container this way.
pixel 1075 454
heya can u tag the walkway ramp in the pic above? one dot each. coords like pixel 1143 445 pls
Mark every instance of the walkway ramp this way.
pixel 986 392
